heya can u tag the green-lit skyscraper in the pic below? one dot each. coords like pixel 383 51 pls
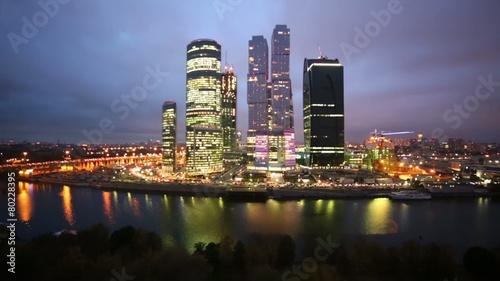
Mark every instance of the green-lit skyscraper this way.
pixel 168 136
pixel 203 107
pixel 229 92
pixel 323 112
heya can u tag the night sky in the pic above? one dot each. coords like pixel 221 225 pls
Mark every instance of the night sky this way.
pixel 418 70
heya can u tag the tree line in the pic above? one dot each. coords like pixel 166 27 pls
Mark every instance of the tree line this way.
pixel 97 253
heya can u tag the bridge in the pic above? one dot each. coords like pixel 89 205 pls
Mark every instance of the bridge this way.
pixel 31 169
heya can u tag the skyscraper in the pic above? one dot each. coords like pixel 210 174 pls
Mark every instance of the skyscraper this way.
pixel 323 112
pixel 271 138
pixel 229 93
pixel 281 94
pixel 169 144
pixel 258 123
pixel 203 107
pixel 282 137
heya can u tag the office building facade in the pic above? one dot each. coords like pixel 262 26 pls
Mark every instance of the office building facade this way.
pixel 271 133
pixel 282 136
pixel 323 100
pixel 258 73
pixel 228 118
pixel 169 130
pixel 204 145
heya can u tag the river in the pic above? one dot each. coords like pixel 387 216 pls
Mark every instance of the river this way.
pixel 183 221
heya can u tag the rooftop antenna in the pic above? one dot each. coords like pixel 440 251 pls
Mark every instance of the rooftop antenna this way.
pixel 225 64
pixel 320 52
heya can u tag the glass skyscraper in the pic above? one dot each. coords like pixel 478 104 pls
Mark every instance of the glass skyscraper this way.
pixel 282 136
pixel 203 107
pixel 229 93
pixel 271 138
pixel 281 94
pixel 323 112
pixel 257 99
pixel 168 137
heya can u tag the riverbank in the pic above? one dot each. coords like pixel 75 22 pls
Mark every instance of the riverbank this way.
pixel 246 193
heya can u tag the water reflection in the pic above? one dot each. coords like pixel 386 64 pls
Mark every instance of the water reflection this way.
pixel 136 208
pixel 67 205
pixel 273 216
pixel 24 201
pixel 149 203
pixel 204 218
pixel 108 208
pixel 377 217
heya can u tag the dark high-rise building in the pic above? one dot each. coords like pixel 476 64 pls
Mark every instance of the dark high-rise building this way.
pixel 323 112
pixel 258 72
pixel 281 93
pixel 203 107
pixel 168 137
pixel 281 139
pixel 228 118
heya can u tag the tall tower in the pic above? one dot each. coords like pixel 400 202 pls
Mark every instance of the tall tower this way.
pixel 168 137
pixel 282 136
pixel 229 92
pixel 282 106
pixel 203 107
pixel 258 73
pixel 323 112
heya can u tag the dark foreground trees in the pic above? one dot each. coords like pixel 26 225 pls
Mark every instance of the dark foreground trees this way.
pixel 137 254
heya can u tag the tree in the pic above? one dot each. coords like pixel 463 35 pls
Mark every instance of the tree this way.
pixel 212 254
pixel 94 242
pixel 480 262
pixel 121 238
pixel 226 250
pixel 199 248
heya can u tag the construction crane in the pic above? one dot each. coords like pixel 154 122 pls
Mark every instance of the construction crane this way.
pixel 379 134
pixel 380 150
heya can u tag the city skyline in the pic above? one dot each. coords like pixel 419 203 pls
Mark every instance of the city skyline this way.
pixel 411 70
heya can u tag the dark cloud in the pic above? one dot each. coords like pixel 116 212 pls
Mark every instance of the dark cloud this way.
pixel 90 53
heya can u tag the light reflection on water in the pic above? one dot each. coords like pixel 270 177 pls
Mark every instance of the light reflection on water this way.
pixel 186 220
pixel 108 208
pixel 67 205
pixel 378 219
pixel 24 201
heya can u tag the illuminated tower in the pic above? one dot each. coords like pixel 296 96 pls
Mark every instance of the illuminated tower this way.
pixel 282 137
pixel 282 106
pixel 203 107
pixel 228 87
pixel 168 137
pixel 258 72
pixel 323 112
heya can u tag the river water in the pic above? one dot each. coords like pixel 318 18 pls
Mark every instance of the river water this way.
pixel 185 220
